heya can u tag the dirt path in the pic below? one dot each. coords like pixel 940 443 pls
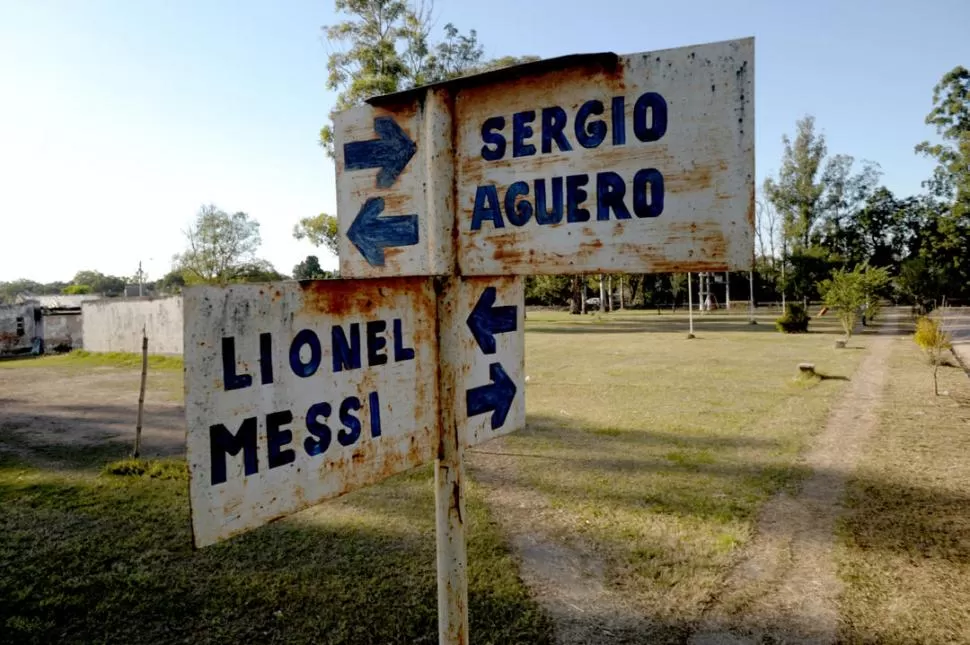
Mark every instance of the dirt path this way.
pixel 785 588
pixel 566 578
pixel 67 407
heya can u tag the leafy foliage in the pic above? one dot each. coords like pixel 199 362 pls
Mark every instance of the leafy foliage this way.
pixel 550 290
pixel 320 230
pixel 931 337
pixel 310 269
pixel 386 47
pixel 97 282
pixel 172 282
pixel 854 293
pixel 794 321
pixel 797 192
pixel 222 248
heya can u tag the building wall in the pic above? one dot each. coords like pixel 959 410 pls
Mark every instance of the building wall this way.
pixel 62 330
pixel 115 325
pixel 10 341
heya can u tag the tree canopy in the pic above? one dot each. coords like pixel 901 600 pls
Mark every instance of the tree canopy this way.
pixel 221 248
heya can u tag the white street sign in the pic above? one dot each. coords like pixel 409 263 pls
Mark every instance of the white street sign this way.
pixel 296 393
pixel 492 369
pixel 300 392
pixel 644 167
pixel 389 192
pixel 638 163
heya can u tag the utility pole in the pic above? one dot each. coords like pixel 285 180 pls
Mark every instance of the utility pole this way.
pixel 141 279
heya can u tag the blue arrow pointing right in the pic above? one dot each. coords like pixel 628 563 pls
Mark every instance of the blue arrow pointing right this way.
pixel 390 151
pixel 496 397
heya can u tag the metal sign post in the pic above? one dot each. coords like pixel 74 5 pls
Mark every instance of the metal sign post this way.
pixel 583 164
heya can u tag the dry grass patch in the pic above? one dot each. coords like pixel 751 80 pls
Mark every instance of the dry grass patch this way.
pixel 656 451
pixel 905 542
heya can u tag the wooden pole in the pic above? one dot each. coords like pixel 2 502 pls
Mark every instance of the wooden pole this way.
pixel 690 306
pixel 141 392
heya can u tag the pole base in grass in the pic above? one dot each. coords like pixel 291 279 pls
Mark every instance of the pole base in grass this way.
pixel 689 336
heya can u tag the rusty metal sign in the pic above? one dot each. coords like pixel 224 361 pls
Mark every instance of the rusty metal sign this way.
pixel 645 165
pixel 639 163
pixel 491 335
pixel 393 187
pixel 301 392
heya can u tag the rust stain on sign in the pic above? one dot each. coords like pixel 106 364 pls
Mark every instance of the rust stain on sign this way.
pixel 594 170
pixel 302 393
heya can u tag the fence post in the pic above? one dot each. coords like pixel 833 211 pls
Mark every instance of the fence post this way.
pixel 141 392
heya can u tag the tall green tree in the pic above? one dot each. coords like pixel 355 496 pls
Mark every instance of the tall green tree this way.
pixel 385 46
pixel 948 241
pixel 950 117
pixel 221 248
pixel 797 192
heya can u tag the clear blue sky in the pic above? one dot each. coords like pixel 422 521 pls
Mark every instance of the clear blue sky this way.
pixel 118 119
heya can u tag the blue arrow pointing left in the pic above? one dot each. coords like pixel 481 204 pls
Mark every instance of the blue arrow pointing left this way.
pixel 371 233
pixel 486 320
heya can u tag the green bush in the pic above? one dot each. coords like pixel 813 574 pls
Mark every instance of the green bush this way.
pixel 794 321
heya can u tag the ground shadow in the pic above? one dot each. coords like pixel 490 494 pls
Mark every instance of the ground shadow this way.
pixel 80 435
pixel 85 562
pixel 897 530
pixel 831 377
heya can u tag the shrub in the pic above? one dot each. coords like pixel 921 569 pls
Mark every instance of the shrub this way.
pixel 794 321
pixel 161 469
pixel 931 337
pixel 934 340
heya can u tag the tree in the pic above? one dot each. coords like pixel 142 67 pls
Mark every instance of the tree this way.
pixel 222 247
pixel 845 194
pixel 320 230
pixel 108 285
pixel 171 282
pixel 387 48
pixel 850 292
pixel 76 289
pixel 548 290
pixel 951 118
pixel 310 269
pixel 766 227
pixel 798 190
pixel 678 284
pixel 948 239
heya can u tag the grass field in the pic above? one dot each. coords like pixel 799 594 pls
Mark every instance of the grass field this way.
pixel 655 450
pixel 81 359
pixel 905 545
